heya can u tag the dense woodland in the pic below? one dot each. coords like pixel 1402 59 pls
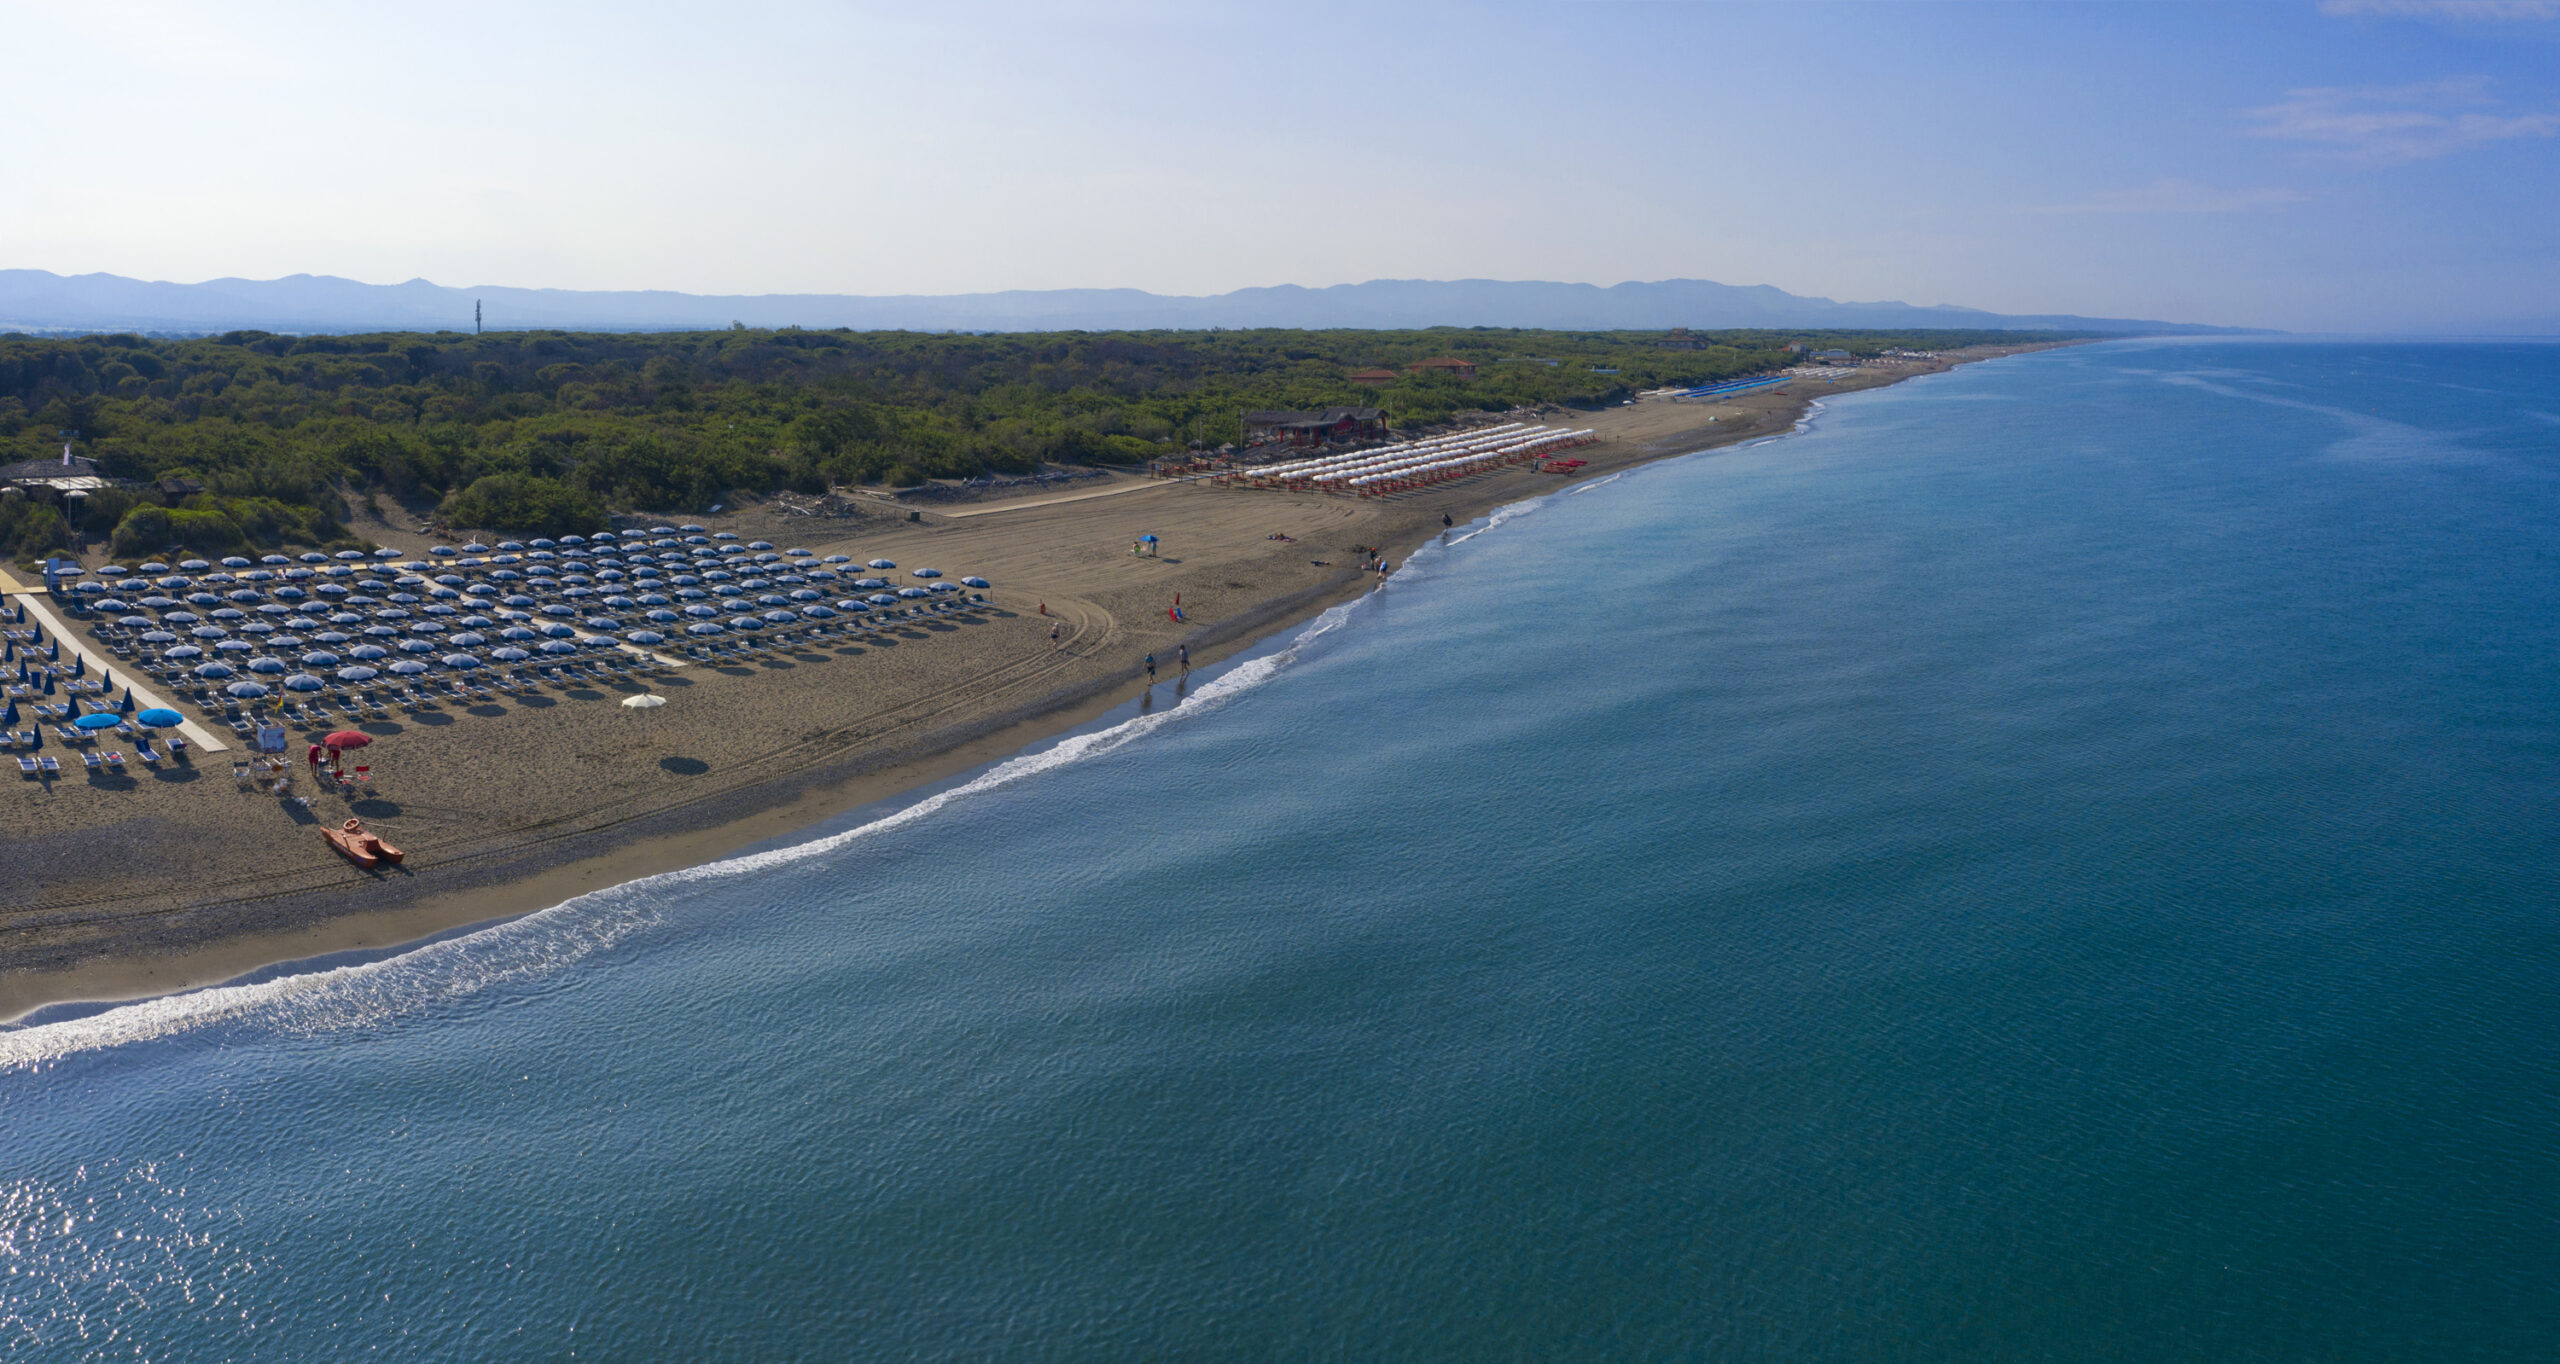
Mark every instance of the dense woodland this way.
pixel 549 431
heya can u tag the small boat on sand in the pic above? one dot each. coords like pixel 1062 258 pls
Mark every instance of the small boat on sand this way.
pixel 361 845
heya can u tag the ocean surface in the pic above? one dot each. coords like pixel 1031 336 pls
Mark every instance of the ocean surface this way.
pixel 2053 861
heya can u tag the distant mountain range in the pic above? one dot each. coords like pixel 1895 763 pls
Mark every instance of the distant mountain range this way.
pixel 41 301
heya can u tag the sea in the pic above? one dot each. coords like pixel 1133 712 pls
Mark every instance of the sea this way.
pixel 2050 861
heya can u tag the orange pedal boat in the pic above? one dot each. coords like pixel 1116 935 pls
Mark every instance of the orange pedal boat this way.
pixel 361 845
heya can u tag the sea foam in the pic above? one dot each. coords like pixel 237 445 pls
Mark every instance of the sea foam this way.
pixel 553 939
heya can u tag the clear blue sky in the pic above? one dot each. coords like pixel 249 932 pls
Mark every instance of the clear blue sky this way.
pixel 2354 165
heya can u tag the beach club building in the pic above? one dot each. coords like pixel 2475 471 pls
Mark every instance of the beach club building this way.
pixel 1315 428
pixel 68 480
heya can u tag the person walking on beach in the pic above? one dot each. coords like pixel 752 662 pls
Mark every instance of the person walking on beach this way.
pixel 1183 658
pixel 1445 522
pixel 1053 636
pixel 1151 670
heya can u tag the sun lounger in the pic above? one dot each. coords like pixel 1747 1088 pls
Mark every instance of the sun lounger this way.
pixel 95 763
pixel 27 765
pixel 177 744
pixel 150 756
pixel 115 761
pixel 52 765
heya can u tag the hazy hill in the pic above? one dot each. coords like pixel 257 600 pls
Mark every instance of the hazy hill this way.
pixel 39 300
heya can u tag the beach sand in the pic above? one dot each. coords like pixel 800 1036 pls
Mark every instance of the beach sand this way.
pixel 115 888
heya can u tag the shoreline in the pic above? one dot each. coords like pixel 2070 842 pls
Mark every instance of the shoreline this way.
pixel 170 946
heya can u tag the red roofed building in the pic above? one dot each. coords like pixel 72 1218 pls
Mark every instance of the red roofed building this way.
pixel 1450 365
pixel 1376 378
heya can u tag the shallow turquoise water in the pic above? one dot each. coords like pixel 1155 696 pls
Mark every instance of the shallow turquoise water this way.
pixel 2054 862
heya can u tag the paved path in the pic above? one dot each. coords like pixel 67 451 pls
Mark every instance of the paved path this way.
pixel 1030 502
pixel 143 697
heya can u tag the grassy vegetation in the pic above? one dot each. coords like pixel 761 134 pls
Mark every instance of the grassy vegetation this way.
pixel 548 431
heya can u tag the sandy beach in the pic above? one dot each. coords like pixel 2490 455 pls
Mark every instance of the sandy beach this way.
pixel 125 886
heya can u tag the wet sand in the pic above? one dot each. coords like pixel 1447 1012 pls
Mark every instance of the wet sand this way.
pixel 114 888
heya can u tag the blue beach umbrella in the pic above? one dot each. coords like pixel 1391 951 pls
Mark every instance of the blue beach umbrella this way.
pixel 247 691
pixel 509 654
pixel 704 627
pixel 159 717
pixel 357 672
pixel 96 720
pixel 213 672
pixel 304 682
pixel 408 667
pixel 559 646
pixel 368 652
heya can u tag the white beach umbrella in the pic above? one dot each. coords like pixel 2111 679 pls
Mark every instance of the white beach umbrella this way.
pixel 644 703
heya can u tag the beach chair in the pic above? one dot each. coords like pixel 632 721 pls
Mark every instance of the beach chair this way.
pixel 26 765
pixel 95 763
pixel 240 773
pixel 150 756
pixel 52 765
pixel 115 762
pixel 177 745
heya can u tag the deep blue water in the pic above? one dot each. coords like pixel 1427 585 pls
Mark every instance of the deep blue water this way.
pixel 2055 862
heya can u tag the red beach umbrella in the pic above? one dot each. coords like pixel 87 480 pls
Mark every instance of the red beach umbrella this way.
pixel 348 738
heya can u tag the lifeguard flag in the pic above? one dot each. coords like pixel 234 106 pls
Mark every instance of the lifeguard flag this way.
pixel 1175 612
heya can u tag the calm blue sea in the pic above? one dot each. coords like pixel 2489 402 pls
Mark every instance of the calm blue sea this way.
pixel 2055 861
